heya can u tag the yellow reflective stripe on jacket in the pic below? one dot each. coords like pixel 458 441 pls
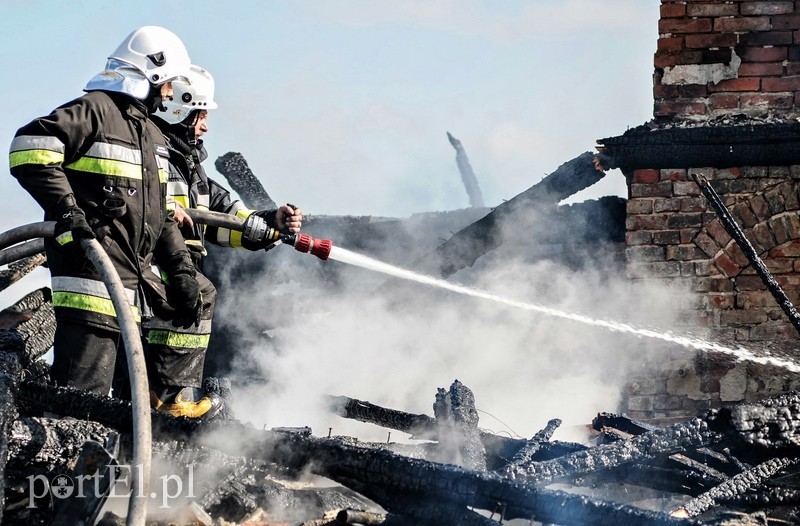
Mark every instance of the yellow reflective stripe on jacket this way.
pixel 87 294
pixel 177 339
pixel 35 149
pixel 75 300
pixel 110 159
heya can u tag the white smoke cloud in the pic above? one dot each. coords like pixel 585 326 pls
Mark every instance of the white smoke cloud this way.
pixel 394 345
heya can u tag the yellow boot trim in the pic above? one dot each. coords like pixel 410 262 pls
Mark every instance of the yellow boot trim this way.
pixel 183 408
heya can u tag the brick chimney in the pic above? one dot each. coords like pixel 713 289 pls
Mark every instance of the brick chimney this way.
pixel 716 57
pixel 726 89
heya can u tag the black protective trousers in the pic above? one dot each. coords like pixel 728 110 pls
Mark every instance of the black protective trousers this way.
pixel 85 356
pixel 176 356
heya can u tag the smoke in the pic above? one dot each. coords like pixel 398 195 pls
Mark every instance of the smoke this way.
pixel 393 343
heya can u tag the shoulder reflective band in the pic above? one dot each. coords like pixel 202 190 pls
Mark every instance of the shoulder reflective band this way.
pixel 110 159
pixel 87 294
pixel 35 149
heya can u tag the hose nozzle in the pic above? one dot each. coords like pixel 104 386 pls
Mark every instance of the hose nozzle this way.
pixel 305 243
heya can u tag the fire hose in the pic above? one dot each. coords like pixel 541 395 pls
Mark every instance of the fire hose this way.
pixel 301 242
pixel 140 390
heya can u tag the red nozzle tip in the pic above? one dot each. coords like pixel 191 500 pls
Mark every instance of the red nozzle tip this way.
pixel 303 242
pixel 322 248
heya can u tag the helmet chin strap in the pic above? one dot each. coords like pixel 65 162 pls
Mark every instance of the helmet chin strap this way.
pixel 154 101
pixel 189 122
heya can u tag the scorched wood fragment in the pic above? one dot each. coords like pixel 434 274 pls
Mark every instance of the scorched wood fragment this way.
pixel 378 470
pixel 457 425
pixel 486 234
pixel 420 426
pixel 28 326
pixel 532 446
pixel 773 423
pixel 19 269
pixel 242 180
pixel 52 443
pixel 9 378
pixel 675 438
pixel 734 486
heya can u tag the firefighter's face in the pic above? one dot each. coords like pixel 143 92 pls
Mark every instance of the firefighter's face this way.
pixel 166 91
pixel 201 124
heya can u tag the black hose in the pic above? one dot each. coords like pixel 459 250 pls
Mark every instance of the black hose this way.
pixel 21 251
pixel 25 232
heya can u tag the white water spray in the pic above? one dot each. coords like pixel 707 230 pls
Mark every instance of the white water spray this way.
pixel 359 260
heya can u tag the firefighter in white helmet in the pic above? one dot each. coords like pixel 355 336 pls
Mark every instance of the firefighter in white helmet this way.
pixel 175 355
pixel 98 167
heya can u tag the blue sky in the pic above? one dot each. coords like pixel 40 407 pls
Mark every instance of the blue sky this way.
pixel 342 106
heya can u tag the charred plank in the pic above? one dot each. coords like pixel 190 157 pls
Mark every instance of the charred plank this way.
pixel 419 426
pixel 486 234
pixel 675 438
pixel 234 168
pixel 19 269
pixel 532 446
pixel 28 327
pixel 735 486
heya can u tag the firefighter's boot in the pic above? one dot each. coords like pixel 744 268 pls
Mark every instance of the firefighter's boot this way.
pixel 187 401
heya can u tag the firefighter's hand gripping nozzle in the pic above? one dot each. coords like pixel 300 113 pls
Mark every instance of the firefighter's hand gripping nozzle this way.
pixel 305 243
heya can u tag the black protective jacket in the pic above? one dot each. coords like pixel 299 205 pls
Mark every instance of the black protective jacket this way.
pixel 103 148
pixel 190 186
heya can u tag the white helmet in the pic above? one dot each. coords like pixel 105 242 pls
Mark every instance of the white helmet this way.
pixel 149 55
pixel 197 95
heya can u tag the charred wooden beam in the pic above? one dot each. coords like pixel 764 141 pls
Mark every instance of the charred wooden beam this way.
pixel 735 486
pixel 772 424
pixel 498 448
pixel 701 468
pixel 486 234
pixel 20 269
pixel 28 327
pixel 675 438
pixel 532 446
pixel 672 480
pixel 234 167
pixel 723 146
pixel 622 423
pixel 419 426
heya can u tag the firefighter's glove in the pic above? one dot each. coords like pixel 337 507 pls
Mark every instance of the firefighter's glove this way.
pixel 71 223
pixel 186 299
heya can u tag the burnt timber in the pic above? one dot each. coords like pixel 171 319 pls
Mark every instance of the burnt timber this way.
pixel 725 143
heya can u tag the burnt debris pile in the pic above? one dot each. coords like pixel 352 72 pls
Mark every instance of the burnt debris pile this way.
pixel 736 465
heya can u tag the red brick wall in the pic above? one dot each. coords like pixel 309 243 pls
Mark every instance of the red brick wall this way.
pixel 717 58
pixel 673 235
pixel 722 56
